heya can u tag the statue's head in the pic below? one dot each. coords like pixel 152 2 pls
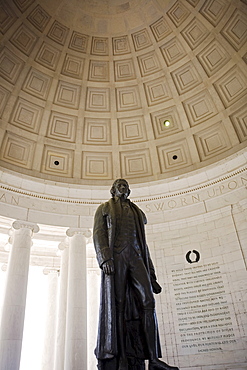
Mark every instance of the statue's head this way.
pixel 119 188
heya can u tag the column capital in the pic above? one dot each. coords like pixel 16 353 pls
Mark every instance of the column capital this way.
pixel 19 224
pixel 83 231
pixel 4 267
pixel 62 246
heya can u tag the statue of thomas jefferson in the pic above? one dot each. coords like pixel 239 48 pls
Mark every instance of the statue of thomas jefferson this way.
pixel 128 331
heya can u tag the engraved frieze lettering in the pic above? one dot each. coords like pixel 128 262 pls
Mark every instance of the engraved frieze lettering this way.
pixel 10 199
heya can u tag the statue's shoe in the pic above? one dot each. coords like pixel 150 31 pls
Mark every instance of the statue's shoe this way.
pixel 160 365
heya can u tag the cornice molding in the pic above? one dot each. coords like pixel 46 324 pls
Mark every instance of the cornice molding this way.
pixel 138 200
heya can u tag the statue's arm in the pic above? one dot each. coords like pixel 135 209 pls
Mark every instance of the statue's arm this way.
pixel 155 285
pixel 100 238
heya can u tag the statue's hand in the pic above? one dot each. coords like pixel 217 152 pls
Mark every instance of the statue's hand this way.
pixel 108 267
pixel 156 287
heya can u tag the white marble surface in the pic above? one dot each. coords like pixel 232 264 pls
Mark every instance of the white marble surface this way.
pixel 76 316
pixel 14 301
pixel 49 345
pixel 62 309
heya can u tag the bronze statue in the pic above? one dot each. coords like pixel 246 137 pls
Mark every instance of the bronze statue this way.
pixel 128 331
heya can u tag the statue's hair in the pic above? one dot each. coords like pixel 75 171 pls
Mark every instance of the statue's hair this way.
pixel 113 188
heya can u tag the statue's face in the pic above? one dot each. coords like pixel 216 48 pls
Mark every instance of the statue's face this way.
pixel 122 189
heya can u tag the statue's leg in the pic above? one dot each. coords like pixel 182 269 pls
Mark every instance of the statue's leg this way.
pixel 142 284
pixel 150 331
pixel 136 364
pixel 120 281
pixel 108 364
pixel 144 291
pixel 121 335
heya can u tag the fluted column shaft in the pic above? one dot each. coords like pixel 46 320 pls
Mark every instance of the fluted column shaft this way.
pixel 14 303
pixel 76 323
pixel 62 308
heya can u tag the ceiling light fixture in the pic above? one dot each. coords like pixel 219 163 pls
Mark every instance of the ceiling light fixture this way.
pixel 167 123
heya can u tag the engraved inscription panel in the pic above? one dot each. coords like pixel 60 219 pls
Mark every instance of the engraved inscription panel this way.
pixel 202 305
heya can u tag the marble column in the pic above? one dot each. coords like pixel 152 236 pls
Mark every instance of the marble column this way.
pixel 76 323
pixel 48 356
pixel 93 313
pixel 62 307
pixel 14 302
pixel 2 282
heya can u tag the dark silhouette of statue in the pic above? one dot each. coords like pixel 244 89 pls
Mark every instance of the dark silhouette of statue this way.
pixel 128 331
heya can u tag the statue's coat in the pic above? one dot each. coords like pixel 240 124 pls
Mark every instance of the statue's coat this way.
pixel 106 220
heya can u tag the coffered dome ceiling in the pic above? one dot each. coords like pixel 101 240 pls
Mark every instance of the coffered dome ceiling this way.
pixel 86 86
